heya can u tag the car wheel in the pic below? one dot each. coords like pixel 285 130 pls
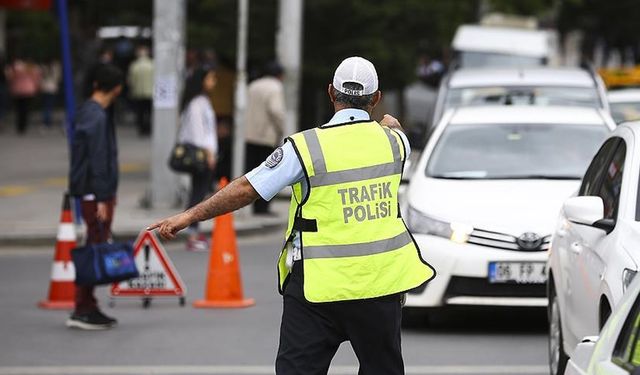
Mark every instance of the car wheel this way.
pixel 557 356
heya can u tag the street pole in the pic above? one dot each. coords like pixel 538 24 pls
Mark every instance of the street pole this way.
pixel 168 51
pixel 241 89
pixel 289 52
pixel 67 82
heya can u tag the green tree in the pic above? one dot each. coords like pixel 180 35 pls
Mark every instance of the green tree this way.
pixel 391 34
pixel 32 34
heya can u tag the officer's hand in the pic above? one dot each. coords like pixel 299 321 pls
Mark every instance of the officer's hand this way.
pixel 391 122
pixel 169 227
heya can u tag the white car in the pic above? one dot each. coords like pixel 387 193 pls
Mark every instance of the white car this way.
pixel 513 86
pixel 617 350
pixel 625 105
pixel 484 196
pixel 595 249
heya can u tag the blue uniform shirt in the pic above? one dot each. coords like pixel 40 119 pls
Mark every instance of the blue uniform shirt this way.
pixel 274 175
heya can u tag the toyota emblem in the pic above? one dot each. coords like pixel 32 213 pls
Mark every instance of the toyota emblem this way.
pixel 529 241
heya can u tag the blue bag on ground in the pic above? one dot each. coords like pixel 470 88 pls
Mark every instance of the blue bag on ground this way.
pixel 104 263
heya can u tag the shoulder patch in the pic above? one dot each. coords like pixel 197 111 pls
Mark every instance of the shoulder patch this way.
pixel 275 158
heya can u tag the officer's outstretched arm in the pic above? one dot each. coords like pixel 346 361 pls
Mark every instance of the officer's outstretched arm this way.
pixel 237 194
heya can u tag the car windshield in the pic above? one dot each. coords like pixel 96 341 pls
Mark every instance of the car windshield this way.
pixel 486 59
pixel 515 151
pixel 476 96
pixel 622 112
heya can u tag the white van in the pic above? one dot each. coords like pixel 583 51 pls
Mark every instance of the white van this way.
pixel 489 46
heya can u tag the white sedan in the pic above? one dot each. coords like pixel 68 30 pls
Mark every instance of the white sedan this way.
pixel 617 350
pixel 484 196
pixel 595 249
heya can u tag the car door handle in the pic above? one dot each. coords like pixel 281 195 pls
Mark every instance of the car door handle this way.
pixel 576 247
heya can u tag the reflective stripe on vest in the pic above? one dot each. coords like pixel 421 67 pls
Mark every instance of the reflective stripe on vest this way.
pixel 324 178
pixel 358 249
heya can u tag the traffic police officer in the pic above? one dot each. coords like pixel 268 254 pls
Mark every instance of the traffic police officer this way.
pixel 348 256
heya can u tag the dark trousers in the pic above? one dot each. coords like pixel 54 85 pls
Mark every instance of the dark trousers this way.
pixel 22 113
pixel 48 100
pixel 310 334
pixel 143 115
pixel 201 186
pixel 97 232
pixel 256 154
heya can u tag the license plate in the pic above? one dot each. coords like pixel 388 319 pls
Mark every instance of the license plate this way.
pixel 518 272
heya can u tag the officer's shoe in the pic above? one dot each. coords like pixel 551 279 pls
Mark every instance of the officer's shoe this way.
pixel 92 321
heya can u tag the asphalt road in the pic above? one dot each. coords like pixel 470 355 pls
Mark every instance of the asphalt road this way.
pixel 169 339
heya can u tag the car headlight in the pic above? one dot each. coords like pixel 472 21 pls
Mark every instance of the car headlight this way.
pixel 627 278
pixel 421 223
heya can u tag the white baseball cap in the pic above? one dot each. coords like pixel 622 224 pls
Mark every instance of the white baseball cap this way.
pixel 356 70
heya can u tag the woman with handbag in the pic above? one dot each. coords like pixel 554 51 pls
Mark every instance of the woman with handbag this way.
pixel 198 128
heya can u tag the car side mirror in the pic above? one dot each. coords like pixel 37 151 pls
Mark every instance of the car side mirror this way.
pixel 588 211
pixel 584 210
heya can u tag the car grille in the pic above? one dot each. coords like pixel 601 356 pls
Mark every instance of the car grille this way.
pixel 481 287
pixel 503 241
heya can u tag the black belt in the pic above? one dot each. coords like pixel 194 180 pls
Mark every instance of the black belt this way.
pixel 305 225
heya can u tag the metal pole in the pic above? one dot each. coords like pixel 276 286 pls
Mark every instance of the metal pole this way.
pixel 241 89
pixel 67 78
pixel 289 52
pixel 67 81
pixel 168 51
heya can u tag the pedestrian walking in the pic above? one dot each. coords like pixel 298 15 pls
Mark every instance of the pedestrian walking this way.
pixel 348 257
pixel 49 85
pixel 264 125
pixel 93 177
pixel 24 81
pixel 140 79
pixel 198 127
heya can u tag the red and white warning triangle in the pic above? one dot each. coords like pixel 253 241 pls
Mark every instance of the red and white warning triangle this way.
pixel 158 276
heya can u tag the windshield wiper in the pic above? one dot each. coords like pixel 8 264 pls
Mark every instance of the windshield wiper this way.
pixel 535 177
pixel 453 177
pixel 523 177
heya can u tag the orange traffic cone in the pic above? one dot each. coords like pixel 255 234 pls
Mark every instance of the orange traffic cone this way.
pixel 63 274
pixel 224 285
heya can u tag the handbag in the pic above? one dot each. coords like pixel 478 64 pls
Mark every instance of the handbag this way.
pixel 104 263
pixel 188 158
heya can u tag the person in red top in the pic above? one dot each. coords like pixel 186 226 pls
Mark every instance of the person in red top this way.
pixel 24 80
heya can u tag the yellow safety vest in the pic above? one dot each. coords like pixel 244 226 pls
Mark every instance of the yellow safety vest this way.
pixel 354 243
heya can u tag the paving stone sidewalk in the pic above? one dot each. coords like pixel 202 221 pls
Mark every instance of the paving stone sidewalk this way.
pixel 33 180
